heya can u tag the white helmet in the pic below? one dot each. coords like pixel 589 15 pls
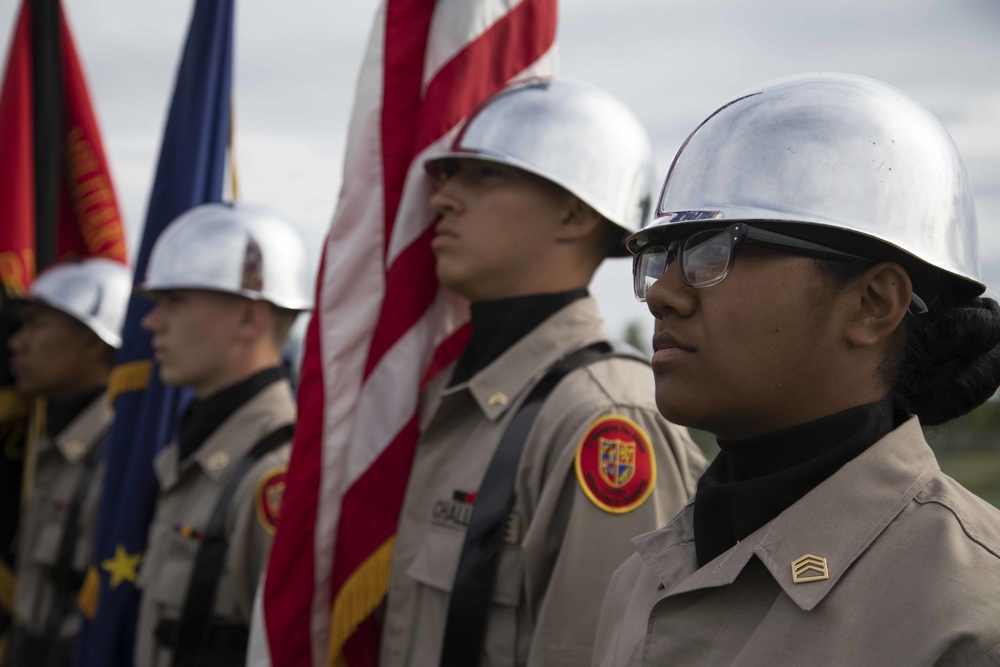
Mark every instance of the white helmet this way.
pixel 571 133
pixel 829 154
pixel 237 248
pixel 94 291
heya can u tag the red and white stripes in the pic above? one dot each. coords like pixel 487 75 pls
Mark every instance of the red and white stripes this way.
pixel 381 324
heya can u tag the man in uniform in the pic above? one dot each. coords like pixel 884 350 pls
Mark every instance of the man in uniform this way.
pixel 63 352
pixel 542 184
pixel 228 281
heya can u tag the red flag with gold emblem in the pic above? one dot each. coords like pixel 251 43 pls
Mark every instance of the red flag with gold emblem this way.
pixel 44 89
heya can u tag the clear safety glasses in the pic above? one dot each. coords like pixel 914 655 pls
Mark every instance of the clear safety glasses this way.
pixel 706 256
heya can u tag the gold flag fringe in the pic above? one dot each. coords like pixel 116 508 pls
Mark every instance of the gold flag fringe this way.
pixel 363 591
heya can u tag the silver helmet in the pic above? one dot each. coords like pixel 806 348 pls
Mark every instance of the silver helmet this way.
pixel 570 133
pixel 830 153
pixel 94 291
pixel 236 248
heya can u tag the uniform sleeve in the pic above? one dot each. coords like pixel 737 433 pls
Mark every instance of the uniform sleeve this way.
pixel 609 649
pixel 592 496
pixel 255 510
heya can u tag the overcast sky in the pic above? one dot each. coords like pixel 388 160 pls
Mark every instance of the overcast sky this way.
pixel 670 61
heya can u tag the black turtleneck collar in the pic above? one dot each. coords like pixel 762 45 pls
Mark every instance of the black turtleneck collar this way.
pixel 59 414
pixel 752 481
pixel 496 325
pixel 203 416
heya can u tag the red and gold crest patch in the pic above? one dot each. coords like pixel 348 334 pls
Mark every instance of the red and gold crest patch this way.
pixel 270 490
pixel 615 464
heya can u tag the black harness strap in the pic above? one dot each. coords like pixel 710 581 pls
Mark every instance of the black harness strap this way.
pixel 190 636
pixel 475 580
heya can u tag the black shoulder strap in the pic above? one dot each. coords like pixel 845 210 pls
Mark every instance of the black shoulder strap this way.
pixel 192 627
pixel 472 591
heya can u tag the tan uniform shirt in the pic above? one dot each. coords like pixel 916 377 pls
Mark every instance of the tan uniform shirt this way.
pixel 57 473
pixel 561 547
pixel 185 504
pixel 913 566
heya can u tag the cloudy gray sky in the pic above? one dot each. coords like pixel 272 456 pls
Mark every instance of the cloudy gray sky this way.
pixel 671 61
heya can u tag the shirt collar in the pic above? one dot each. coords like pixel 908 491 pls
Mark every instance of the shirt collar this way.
pixel 496 325
pixel 81 435
pixel 500 384
pixel 270 409
pixel 203 416
pixel 837 521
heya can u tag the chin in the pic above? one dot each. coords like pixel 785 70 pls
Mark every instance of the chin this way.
pixel 681 412
pixel 171 377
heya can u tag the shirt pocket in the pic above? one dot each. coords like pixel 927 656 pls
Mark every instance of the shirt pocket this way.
pixel 433 569
pixel 164 581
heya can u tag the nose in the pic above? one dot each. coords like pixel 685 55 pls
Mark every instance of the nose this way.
pixel 446 198
pixel 17 341
pixel 152 321
pixel 671 294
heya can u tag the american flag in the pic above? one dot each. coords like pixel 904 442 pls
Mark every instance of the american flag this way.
pixel 381 327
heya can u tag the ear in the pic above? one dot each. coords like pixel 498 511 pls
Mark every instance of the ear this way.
pixel 256 320
pixel 98 352
pixel 882 295
pixel 579 222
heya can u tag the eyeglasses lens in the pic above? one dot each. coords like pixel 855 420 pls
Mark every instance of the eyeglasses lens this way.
pixel 705 257
pixel 705 260
pixel 652 264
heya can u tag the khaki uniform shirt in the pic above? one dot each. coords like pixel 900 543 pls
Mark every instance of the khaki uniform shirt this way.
pixel 185 504
pixel 561 548
pixel 57 474
pixel 911 577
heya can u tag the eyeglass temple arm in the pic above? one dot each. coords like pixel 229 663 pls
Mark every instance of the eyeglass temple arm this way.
pixel 764 237
pixel 755 235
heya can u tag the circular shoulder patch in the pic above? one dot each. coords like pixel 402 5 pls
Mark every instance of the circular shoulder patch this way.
pixel 615 464
pixel 270 490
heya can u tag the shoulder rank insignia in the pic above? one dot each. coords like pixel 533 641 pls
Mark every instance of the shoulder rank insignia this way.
pixel 615 464
pixel 809 567
pixel 270 489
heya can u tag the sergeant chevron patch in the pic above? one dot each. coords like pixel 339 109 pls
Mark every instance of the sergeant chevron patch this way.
pixel 809 567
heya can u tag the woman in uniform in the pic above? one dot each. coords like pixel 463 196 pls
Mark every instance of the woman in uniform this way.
pixel 814 277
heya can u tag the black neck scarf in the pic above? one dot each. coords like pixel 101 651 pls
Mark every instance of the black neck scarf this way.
pixel 205 415
pixel 496 325
pixel 59 414
pixel 752 481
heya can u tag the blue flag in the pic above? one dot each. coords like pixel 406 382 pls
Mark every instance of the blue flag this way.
pixel 190 172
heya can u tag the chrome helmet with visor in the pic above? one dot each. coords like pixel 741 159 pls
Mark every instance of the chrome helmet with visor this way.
pixel 837 160
pixel 94 291
pixel 569 133
pixel 236 248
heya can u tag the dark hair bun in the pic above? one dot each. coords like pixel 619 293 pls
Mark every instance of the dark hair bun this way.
pixel 950 360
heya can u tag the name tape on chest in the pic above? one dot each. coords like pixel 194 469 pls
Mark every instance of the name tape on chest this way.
pixel 456 512
pixel 270 490
pixel 615 464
